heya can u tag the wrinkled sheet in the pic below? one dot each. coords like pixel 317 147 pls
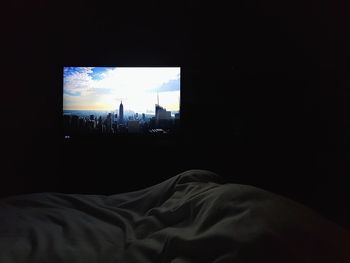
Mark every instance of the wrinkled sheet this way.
pixel 192 217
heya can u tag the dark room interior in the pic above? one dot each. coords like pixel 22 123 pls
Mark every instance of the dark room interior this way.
pixel 264 96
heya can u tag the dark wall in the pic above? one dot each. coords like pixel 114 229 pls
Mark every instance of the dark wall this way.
pixel 264 94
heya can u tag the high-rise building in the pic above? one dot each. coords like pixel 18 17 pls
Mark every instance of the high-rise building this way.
pixel 162 113
pixel 108 123
pixel 121 112
pixel 163 117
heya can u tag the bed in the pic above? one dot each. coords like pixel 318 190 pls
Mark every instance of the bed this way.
pixel 192 217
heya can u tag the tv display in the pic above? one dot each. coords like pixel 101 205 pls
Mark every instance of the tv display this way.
pixel 121 100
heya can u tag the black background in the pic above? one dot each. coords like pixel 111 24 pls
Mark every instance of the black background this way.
pixel 264 95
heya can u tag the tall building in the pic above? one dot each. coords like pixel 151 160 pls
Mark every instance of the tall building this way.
pixel 121 112
pixel 163 116
pixel 162 113
pixel 108 122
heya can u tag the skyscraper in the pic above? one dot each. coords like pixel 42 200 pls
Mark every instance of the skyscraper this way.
pixel 162 115
pixel 109 122
pixel 121 112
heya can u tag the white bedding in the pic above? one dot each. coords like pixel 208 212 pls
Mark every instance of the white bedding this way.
pixel 192 217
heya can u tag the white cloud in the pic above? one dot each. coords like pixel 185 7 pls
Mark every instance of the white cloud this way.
pixel 133 85
pixel 79 82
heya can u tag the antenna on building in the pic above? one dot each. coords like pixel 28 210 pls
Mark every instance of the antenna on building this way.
pixel 157 98
pixel 119 99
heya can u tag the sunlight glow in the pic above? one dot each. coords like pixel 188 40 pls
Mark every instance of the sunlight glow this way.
pixel 103 88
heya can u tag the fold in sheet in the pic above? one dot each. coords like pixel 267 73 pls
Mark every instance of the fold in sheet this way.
pixel 192 217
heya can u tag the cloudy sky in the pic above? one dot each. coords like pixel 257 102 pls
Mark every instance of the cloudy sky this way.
pixel 102 88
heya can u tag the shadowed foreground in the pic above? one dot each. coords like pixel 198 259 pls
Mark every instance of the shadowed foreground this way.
pixel 192 217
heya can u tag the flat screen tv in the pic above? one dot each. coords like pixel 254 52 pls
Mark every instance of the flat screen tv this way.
pixel 121 100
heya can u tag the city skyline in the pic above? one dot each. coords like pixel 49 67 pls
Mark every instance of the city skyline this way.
pixel 103 88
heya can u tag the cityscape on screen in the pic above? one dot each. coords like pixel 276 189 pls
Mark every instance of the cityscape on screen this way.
pixel 121 100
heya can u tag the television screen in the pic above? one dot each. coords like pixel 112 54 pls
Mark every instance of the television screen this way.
pixel 121 100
